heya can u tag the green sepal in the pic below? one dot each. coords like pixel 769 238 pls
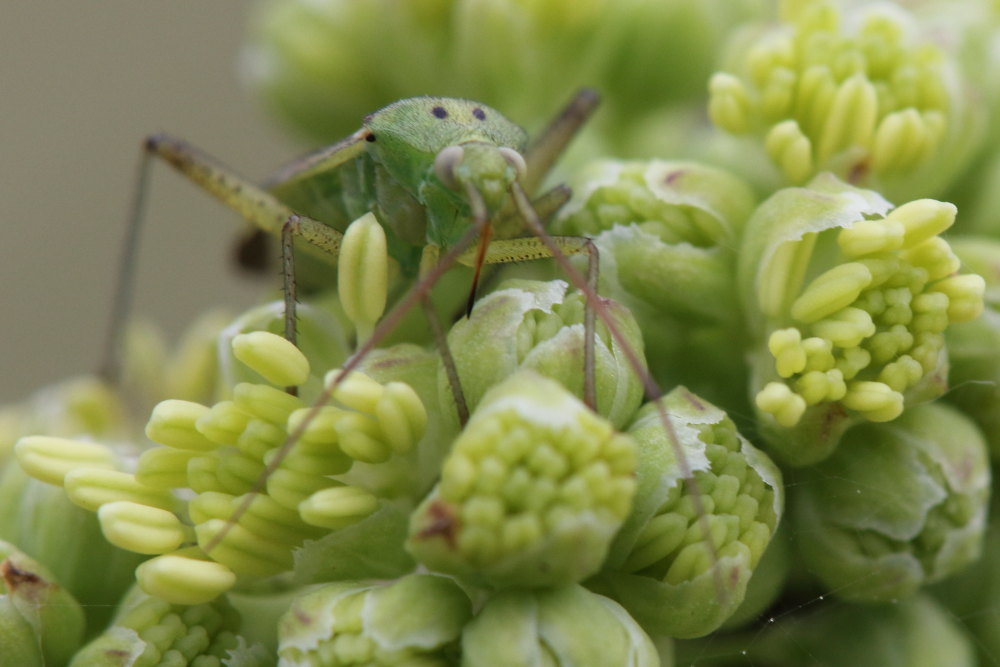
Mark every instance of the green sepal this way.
pixel 898 505
pixel 661 568
pixel 568 625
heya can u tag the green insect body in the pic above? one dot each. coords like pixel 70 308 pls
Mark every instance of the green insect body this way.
pixel 437 173
pixel 400 160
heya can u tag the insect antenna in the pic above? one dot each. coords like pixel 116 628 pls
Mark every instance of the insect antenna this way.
pixel 595 306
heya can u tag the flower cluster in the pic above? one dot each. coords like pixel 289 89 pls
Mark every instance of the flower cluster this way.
pixel 531 493
pixel 853 298
pixel 695 537
pixel 557 476
pixel 221 453
pixel 152 631
pixel 877 106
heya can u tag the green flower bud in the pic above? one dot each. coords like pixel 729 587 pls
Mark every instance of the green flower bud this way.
pixel 417 619
pixel 532 492
pixel 265 402
pixel 852 299
pixel 867 98
pixel 675 579
pixel 141 528
pixel 276 359
pixel 50 459
pixel 321 339
pixel 92 487
pixel 42 521
pixel 408 377
pixel 219 454
pixel 666 233
pixel 151 631
pixel 179 579
pixel 538 326
pixel 557 626
pixel 363 273
pixel 337 507
pixel 41 623
pixel 173 423
pixel 223 423
pixel 896 506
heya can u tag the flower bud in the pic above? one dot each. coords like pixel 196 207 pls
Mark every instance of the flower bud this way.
pixel 50 459
pixel 173 423
pixel 320 339
pixel 90 488
pixel 152 631
pixel 337 506
pixel 866 98
pixel 538 326
pixel 417 619
pixel 898 505
pixel 43 522
pixel 179 579
pixel 532 492
pixel 40 621
pixel 276 359
pixel 568 625
pixel 675 578
pixel 665 232
pixel 141 528
pixel 363 273
pixel 852 298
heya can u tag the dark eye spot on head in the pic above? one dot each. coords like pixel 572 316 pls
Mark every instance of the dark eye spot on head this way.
pixel 439 112
pixel 479 113
pixel 370 137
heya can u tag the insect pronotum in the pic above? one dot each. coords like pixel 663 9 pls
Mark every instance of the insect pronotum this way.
pixel 439 174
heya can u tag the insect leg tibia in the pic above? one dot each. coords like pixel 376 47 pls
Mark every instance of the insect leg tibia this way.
pixel 428 260
pixel 288 284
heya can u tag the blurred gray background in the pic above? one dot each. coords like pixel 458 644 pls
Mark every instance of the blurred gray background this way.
pixel 80 85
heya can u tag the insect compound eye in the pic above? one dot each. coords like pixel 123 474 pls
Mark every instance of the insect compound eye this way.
pixel 439 112
pixel 515 160
pixel 370 137
pixel 479 113
pixel 445 164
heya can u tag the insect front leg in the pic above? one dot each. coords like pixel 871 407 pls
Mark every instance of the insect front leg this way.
pixel 254 204
pixel 650 386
